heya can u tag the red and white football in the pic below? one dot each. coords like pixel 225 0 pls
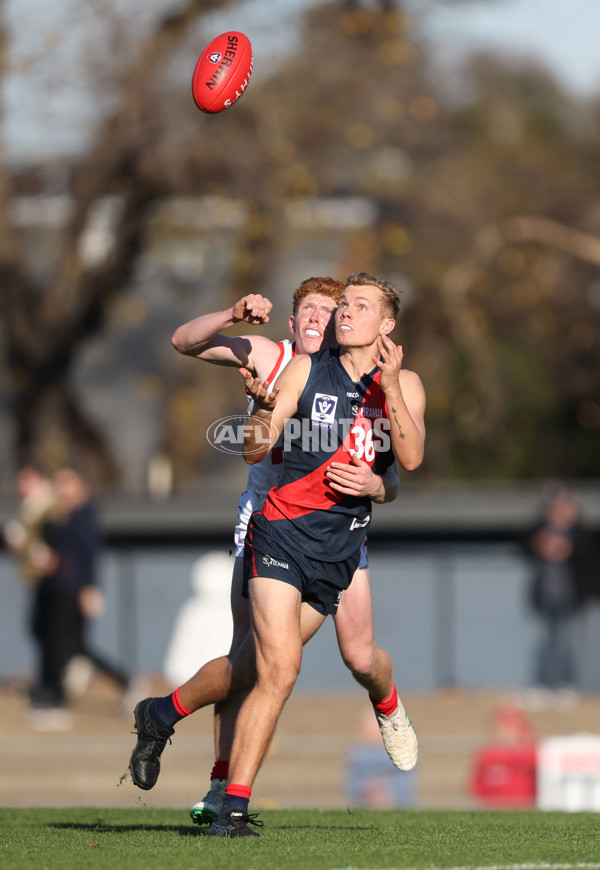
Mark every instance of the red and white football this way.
pixel 223 71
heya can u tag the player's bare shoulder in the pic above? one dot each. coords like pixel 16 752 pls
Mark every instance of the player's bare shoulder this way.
pixel 263 356
pixel 410 380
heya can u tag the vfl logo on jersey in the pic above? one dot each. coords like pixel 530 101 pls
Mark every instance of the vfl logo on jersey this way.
pixel 359 524
pixel 215 57
pixel 323 409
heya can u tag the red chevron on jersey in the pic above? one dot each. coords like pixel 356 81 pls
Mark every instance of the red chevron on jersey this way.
pixel 307 494
pixel 312 492
pixel 336 418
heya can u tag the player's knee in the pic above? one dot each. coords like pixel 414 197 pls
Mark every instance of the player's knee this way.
pixel 359 654
pixel 280 677
pixel 369 662
pixel 360 662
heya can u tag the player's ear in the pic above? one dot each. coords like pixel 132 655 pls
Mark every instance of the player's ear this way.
pixel 388 325
pixel 292 325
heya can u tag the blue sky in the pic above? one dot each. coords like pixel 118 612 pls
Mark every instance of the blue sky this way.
pixel 563 34
pixel 47 104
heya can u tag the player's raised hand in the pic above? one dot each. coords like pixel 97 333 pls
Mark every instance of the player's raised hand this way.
pixel 253 308
pixel 390 362
pixel 264 398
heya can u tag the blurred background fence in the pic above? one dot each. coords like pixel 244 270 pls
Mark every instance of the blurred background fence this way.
pixel 451 581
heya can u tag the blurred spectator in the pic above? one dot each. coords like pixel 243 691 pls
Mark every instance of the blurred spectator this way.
pixel 25 535
pixel 504 770
pixel 32 537
pixel 562 554
pixel 79 549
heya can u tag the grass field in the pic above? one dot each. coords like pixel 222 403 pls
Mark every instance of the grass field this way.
pixel 150 839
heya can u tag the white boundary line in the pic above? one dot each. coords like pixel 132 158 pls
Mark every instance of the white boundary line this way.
pixel 530 866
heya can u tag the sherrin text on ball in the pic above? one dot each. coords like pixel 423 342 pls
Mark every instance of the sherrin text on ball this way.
pixel 222 72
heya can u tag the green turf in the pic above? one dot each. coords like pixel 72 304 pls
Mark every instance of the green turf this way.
pixel 147 839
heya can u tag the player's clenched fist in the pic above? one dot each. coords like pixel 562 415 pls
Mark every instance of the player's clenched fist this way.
pixel 252 308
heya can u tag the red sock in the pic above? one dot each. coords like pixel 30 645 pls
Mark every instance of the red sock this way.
pixel 243 791
pixel 220 770
pixel 181 709
pixel 388 705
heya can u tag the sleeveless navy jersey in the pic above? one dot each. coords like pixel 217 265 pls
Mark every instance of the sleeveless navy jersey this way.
pixel 336 417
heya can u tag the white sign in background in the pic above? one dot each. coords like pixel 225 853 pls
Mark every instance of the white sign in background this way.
pixel 568 773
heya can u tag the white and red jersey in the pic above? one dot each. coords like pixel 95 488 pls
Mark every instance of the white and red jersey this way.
pixel 263 475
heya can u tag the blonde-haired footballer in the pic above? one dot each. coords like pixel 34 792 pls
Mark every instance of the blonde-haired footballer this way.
pixel 315 302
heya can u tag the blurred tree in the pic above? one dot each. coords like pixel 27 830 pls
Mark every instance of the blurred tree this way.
pixel 46 319
pixel 484 192
pixel 513 393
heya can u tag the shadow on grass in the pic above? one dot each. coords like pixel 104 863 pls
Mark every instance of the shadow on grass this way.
pixel 276 827
pixel 187 830
pixel 111 828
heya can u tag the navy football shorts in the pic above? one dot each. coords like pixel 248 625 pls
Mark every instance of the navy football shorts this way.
pixel 319 583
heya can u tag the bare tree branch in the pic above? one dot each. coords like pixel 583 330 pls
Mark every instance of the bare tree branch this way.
pixel 458 280
pixel 45 329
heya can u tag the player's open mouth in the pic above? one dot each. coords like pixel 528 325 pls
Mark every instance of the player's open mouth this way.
pixel 345 327
pixel 313 333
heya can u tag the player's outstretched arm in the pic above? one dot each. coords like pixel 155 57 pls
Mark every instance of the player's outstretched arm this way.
pixel 272 408
pixel 202 337
pixel 405 400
